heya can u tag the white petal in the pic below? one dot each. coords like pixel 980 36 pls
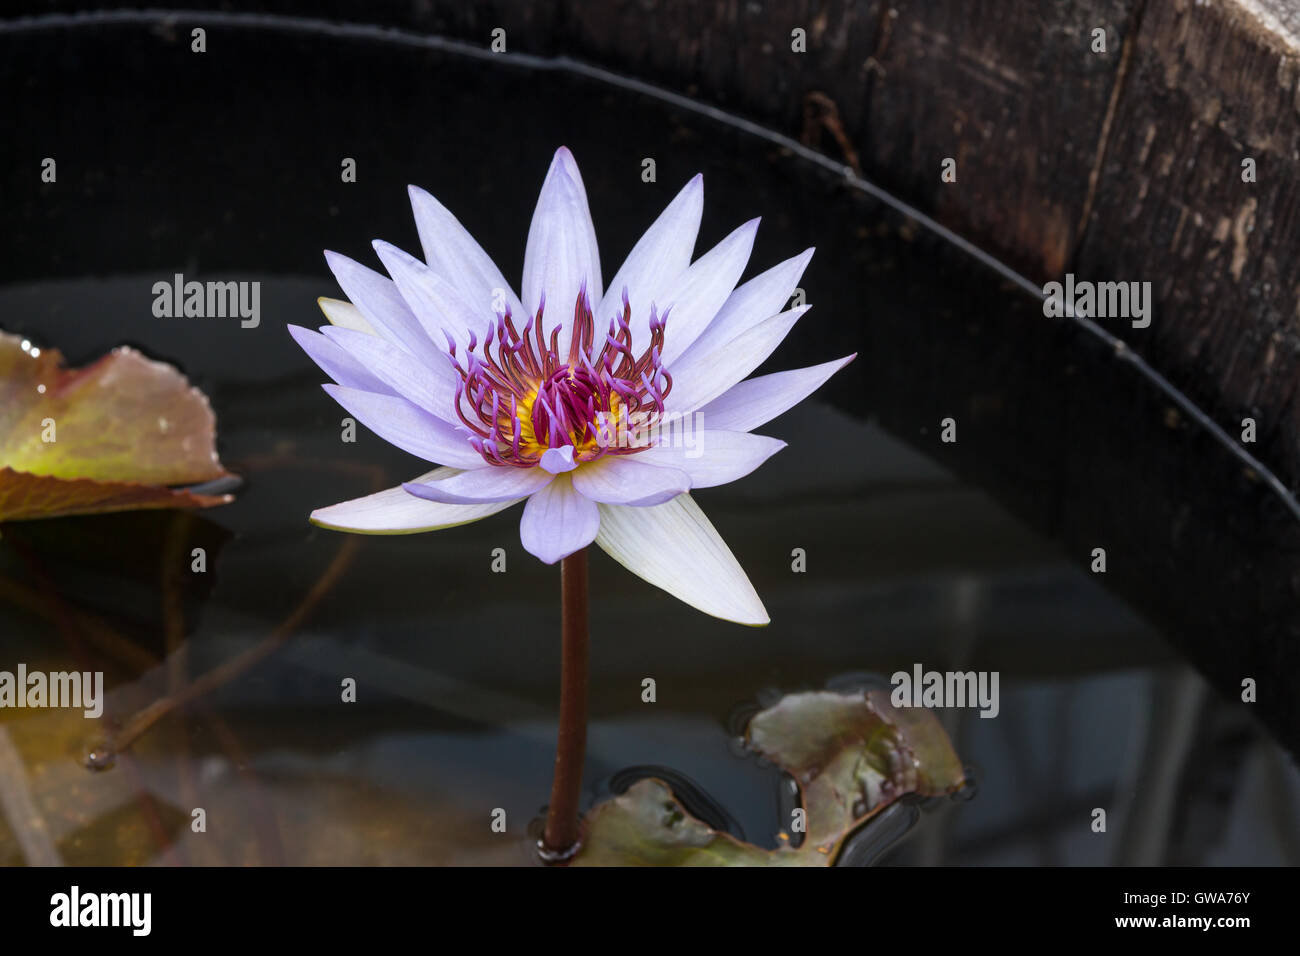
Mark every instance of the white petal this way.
pixel 411 429
pixel 701 291
pixel 453 253
pixel 760 298
pixel 437 304
pixel 561 254
pixel 656 262
pixel 431 387
pixel 629 480
pixel 558 521
pixel 382 305
pixel 715 457
pixel 481 485
pixel 395 511
pixel 674 547
pixel 757 401
pixel 701 376
pixel 337 363
pixel 345 315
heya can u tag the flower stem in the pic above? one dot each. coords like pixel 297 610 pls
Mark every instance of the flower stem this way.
pixel 560 840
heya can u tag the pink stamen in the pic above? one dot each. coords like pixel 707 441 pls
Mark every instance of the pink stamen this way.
pixel 568 395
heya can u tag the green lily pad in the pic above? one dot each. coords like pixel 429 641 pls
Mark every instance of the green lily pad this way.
pixel 109 437
pixel 851 755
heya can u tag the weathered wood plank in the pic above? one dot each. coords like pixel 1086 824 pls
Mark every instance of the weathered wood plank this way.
pixel 1016 96
pixel 1211 86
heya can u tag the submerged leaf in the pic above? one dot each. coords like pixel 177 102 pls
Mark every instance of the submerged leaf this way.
pixel 851 755
pixel 109 437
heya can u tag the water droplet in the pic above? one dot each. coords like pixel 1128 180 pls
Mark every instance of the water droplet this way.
pixel 100 758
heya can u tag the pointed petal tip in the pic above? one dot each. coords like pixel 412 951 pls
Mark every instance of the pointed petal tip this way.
pixel 302 335
pixel 564 162
pixel 756 616
pixel 676 548
pixel 391 255
pixel 383 246
pixel 421 198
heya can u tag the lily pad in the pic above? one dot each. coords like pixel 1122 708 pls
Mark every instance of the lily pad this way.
pixel 851 755
pixel 108 437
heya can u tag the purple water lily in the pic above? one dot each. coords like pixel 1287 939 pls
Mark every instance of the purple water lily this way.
pixel 600 407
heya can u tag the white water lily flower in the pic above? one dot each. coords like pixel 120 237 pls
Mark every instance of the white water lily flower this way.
pixel 600 407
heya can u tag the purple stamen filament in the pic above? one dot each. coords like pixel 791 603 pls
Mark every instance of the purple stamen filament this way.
pixel 524 398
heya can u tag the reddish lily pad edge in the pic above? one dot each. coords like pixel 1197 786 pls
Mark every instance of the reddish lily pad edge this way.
pixel 34 383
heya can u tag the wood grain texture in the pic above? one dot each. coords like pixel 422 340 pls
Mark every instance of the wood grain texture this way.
pixel 1211 86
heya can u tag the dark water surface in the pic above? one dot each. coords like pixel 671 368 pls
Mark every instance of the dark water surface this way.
pixel 226 165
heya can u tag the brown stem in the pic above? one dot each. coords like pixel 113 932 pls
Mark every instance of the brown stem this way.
pixel 560 840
